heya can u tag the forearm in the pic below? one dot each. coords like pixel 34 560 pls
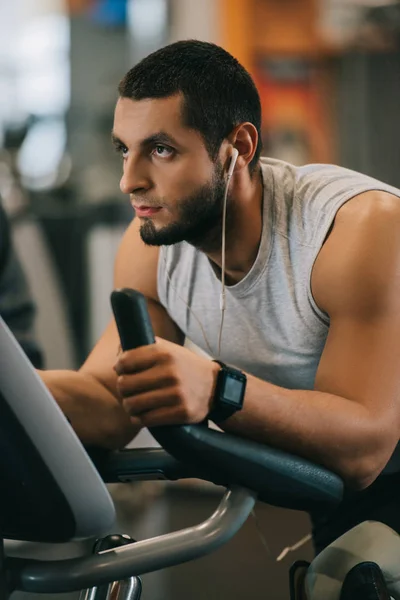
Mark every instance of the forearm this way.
pixel 95 414
pixel 338 433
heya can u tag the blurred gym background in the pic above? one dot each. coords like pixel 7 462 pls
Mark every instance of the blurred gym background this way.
pixel 328 75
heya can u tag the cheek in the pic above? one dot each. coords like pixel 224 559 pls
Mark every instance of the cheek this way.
pixel 184 179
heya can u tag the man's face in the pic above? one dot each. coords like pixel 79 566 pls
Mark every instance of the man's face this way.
pixel 175 188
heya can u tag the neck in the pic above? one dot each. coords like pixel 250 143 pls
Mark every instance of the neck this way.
pixel 243 228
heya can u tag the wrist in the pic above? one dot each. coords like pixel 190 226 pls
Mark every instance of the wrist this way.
pixel 228 398
pixel 215 369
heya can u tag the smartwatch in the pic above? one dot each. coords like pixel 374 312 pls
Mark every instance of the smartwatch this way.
pixel 229 393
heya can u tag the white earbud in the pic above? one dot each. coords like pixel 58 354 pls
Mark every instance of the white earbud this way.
pixel 235 154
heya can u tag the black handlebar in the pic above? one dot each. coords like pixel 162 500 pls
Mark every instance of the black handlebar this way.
pixel 132 318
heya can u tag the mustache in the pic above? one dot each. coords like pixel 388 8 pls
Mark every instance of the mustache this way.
pixel 150 202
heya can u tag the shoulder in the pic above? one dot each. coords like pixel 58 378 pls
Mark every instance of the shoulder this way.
pixel 362 222
pixel 336 185
pixel 359 263
pixel 363 209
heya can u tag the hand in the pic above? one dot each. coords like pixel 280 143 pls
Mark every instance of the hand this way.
pixel 165 384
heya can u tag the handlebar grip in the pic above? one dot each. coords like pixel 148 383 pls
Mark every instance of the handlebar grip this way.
pixel 132 318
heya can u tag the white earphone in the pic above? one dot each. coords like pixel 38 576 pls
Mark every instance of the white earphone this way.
pixel 234 157
pixel 222 299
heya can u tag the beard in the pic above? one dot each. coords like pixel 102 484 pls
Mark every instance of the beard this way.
pixel 199 218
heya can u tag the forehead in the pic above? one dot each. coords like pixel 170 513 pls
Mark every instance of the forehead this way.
pixel 135 120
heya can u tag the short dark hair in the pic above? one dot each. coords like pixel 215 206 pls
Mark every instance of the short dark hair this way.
pixel 217 90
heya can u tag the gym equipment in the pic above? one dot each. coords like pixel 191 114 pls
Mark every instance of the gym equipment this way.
pixel 54 493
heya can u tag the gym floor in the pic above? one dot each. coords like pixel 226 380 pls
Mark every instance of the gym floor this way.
pixel 242 569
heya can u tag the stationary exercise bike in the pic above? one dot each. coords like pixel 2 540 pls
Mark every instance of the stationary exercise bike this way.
pixel 52 491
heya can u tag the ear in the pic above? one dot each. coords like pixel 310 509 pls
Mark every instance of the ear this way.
pixel 245 139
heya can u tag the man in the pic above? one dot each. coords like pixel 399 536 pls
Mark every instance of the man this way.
pixel 312 280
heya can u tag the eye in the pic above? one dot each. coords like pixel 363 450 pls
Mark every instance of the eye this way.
pixel 121 149
pixel 162 151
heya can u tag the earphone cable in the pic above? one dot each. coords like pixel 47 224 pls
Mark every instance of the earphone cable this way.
pixel 223 248
pixel 223 243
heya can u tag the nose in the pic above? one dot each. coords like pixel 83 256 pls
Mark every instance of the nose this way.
pixel 134 178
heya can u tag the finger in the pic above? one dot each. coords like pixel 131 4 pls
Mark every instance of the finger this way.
pixel 137 423
pixel 151 379
pixel 137 406
pixel 138 359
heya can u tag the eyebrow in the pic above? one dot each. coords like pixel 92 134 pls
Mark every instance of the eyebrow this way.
pixel 156 138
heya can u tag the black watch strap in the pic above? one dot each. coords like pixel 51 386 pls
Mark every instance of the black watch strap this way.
pixel 229 393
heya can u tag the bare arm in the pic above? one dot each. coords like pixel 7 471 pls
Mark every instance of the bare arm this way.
pixel 89 397
pixel 350 421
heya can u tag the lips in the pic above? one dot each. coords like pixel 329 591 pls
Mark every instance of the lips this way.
pixel 146 211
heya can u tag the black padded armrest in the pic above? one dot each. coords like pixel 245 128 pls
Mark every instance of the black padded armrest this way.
pixel 277 477
pixel 194 451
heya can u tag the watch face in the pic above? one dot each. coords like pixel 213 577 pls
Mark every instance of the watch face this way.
pixel 233 391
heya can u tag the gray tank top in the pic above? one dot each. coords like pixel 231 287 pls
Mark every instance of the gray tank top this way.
pixel 273 328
